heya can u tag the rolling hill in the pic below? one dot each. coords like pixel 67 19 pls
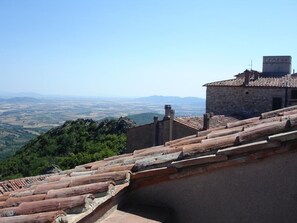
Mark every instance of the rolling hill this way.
pixel 64 147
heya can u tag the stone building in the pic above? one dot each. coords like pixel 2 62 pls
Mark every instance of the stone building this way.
pixel 169 128
pixel 251 93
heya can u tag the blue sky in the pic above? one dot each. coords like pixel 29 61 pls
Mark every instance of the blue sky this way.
pixel 138 47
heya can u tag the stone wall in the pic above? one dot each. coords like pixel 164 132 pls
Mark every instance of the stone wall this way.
pixel 144 136
pixel 140 137
pixel 180 130
pixel 243 101
pixel 163 132
pixel 264 191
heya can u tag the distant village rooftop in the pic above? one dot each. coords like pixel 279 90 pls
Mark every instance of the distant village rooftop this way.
pixel 252 78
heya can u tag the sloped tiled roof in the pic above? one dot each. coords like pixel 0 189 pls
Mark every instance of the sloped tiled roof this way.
pixel 197 122
pixel 12 185
pixel 253 74
pixel 285 81
pixel 77 194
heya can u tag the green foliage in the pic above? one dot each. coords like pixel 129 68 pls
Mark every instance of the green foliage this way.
pixel 73 143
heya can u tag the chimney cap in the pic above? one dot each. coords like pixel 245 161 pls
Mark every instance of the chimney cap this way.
pixel 167 111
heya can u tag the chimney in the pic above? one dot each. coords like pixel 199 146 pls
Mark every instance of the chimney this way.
pixel 206 121
pixel 167 111
pixel 155 131
pixel 171 124
pixel 256 76
pixel 247 78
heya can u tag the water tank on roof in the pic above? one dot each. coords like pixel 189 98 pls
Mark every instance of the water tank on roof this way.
pixel 277 65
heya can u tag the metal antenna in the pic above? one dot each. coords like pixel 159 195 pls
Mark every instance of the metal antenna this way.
pixel 251 65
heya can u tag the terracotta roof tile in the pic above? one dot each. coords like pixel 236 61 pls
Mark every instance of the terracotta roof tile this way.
pixel 197 122
pixel 43 188
pixel 16 201
pixel 285 81
pixel 12 185
pixel 199 160
pixel 77 194
pixel 95 189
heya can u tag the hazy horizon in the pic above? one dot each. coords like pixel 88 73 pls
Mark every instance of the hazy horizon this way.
pixel 7 95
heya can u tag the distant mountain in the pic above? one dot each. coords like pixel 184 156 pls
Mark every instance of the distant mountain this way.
pixel 171 100
pixel 19 100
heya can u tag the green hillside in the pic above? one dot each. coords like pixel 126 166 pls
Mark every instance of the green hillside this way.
pixel 64 147
pixel 13 137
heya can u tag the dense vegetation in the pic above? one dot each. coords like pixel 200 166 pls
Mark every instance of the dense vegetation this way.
pixel 73 143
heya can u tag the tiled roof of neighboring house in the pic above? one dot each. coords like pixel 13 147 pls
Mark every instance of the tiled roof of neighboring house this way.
pixel 253 74
pixel 12 185
pixel 284 81
pixel 193 122
pixel 87 192
pixel 197 122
